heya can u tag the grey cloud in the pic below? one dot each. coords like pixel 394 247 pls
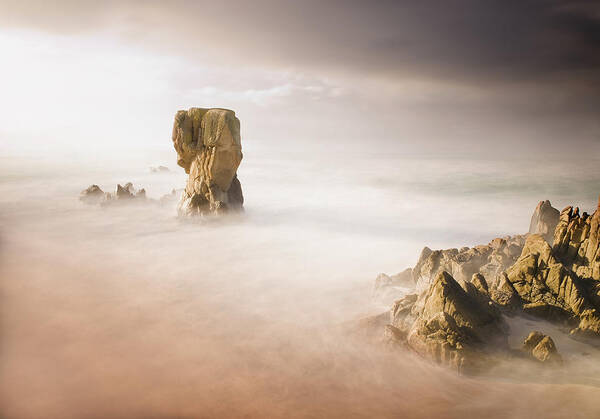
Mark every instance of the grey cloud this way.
pixel 457 39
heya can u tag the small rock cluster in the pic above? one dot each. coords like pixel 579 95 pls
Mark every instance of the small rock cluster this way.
pixel 126 193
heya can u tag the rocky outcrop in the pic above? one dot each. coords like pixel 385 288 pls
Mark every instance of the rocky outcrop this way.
pixel 126 193
pixel 488 260
pixel 92 195
pixel 544 220
pixel 541 348
pixel 577 242
pixel 562 282
pixel 209 148
pixel 454 313
pixel 449 325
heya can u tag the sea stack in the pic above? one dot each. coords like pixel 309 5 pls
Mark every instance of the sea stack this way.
pixel 209 148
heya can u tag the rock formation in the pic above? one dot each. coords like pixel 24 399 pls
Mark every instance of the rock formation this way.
pixel 92 195
pixel 209 148
pixel 561 282
pixel 126 193
pixel 544 220
pixel 455 313
pixel 488 260
pixel 454 327
pixel 541 348
pixel 577 242
pixel 548 288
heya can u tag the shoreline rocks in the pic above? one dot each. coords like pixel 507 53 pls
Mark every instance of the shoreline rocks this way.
pixel 94 195
pixel 454 311
pixel 124 194
pixel 451 326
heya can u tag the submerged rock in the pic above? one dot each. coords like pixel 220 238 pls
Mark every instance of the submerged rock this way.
pixel 159 169
pixel 92 194
pixel 544 220
pixel 123 193
pixel 209 148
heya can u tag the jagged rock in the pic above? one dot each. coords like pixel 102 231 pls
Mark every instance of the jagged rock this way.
pixel 450 326
pixel 209 148
pixel 542 348
pixel 159 169
pixel 125 193
pixel 577 242
pixel 532 340
pixel 544 220
pixel 389 288
pixel 488 260
pixel 93 194
pixel 480 284
pixel 548 288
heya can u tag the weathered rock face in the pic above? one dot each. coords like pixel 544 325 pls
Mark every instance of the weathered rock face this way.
pixel 577 242
pixel 209 148
pixel 488 260
pixel 541 348
pixel 544 220
pixel 561 282
pixel 449 325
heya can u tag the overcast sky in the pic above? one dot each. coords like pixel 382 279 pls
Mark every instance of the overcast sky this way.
pixel 448 76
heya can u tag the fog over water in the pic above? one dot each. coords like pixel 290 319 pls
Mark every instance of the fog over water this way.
pixel 369 130
pixel 129 312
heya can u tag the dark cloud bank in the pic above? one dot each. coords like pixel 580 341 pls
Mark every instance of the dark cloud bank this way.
pixel 533 66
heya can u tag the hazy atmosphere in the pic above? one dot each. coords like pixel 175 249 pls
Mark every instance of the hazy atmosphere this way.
pixel 363 132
